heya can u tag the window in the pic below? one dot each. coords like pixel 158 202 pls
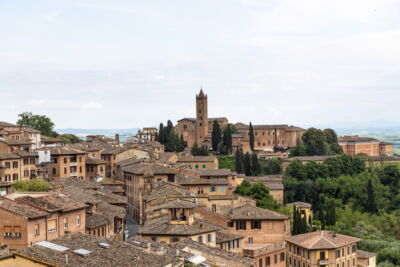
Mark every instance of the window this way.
pixel 222 189
pixel 15 164
pixel 26 161
pixel 338 253
pixel 204 166
pixel 214 208
pixel 354 248
pixel 200 190
pixel 233 178
pixel 65 170
pixel 52 226
pixel 33 161
pixel 7 164
pixel 17 231
pixel 267 261
pixel 15 176
pixel 250 240
pixel 260 262
pixel 230 224
pixel 213 189
pixel 65 223
pixel 65 160
pixel 153 238
pixel 54 171
pixel 322 255
pixel 241 225
pixel 26 173
pixel 36 230
pixel 256 225
pixel 275 258
pixel 80 169
pixel 174 239
pixel 7 231
pixel 200 239
pixel 209 238
pixel 78 220
pixel 282 256
pixel 196 166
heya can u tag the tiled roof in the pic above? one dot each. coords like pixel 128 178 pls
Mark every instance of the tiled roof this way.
pixel 166 156
pixel 47 139
pixel 95 220
pixel 94 161
pixel 196 159
pixel 113 150
pixel 141 168
pixel 273 182
pixel 355 139
pixel 7 124
pixel 322 240
pixel 225 236
pixel 53 203
pixel 20 209
pixel 11 141
pixel 160 226
pixel 27 154
pixel 62 151
pixel 248 212
pixel 299 204
pixel 361 254
pixel 189 180
pixel 117 254
pixel 9 156
pixel 309 158
pixel 214 172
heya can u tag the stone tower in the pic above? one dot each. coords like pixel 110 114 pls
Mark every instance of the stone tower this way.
pixel 201 117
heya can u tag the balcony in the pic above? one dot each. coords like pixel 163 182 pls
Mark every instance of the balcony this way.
pixel 74 174
pixel 323 262
pixel 73 164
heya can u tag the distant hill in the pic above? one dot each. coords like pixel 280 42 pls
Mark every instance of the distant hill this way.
pixel 107 132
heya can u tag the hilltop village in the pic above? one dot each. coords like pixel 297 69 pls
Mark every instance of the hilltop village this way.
pixel 205 192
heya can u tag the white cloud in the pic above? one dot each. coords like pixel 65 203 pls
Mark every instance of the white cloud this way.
pixel 92 106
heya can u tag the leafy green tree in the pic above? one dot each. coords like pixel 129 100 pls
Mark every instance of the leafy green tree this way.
pixel 298 151
pixel 69 138
pixel 273 166
pixel 251 137
pixel 41 123
pixel 199 151
pixel 314 140
pixel 297 170
pixel 244 189
pixel 216 137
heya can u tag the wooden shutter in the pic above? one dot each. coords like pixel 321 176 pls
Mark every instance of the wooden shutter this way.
pixel 52 225
pixel 7 229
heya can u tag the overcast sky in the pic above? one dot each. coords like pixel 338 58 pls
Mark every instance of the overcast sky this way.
pixel 126 63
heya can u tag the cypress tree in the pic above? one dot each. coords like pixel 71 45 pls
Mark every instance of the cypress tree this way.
pixel 247 164
pixel 321 217
pixel 161 136
pixel 294 228
pixel 333 213
pixel 371 205
pixel 251 137
pixel 229 140
pixel 255 165
pixel 238 161
pixel 303 224
pixel 216 137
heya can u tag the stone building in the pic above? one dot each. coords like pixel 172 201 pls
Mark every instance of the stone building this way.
pixel 30 219
pixel 259 226
pixel 321 248
pixel 198 130
pixel 305 208
pixel 354 145
pixel 270 138
pixel 268 255
pixel 179 224
pixel 366 259
pixel 198 162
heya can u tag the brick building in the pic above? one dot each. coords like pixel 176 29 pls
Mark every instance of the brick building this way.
pixel 354 145
pixel 30 219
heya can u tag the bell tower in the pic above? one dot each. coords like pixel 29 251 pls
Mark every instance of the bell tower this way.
pixel 201 117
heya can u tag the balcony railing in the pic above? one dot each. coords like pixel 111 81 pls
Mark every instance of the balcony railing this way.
pixel 73 164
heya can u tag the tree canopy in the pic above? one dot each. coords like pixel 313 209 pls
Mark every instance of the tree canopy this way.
pixel 41 123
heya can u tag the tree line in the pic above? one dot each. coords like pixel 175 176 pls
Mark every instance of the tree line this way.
pixel 171 141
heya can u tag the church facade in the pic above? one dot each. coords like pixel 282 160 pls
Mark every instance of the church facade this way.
pixel 268 138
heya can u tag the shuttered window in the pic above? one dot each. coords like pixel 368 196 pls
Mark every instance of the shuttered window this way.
pixel 7 231
pixel 17 231
pixel 52 226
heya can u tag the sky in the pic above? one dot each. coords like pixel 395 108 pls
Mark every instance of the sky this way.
pixel 128 63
